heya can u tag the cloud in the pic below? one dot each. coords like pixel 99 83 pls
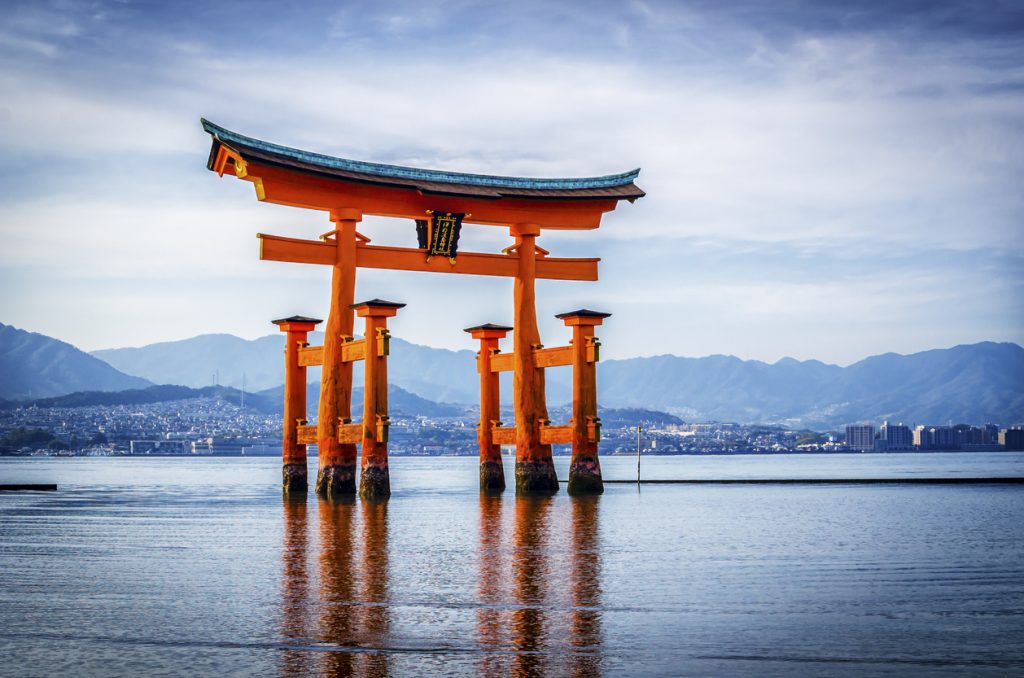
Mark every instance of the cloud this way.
pixel 19 44
pixel 787 154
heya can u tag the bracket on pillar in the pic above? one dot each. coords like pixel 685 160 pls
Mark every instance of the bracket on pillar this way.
pixel 383 424
pixel 383 341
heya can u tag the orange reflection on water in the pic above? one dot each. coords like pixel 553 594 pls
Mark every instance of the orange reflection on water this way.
pixel 490 588
pixel 295 587
pixel 585 576
pixel 375 622
pixel 336 624
pixel 530 584
pixel 555 621
pixel 538 592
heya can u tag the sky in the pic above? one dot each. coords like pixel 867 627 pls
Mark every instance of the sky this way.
pixel 825 180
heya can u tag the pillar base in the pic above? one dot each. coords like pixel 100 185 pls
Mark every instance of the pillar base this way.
pixel 375 482
pixel 492 476
pixel 585 476
pixel 294 479
pixel 536 477
pixel 336 481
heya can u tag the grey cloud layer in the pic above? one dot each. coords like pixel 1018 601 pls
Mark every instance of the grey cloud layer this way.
pixel 836 136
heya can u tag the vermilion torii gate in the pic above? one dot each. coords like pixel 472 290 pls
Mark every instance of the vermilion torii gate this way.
pixel 347 190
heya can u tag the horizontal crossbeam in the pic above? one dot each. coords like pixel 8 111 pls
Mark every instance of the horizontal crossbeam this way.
pixel 503 435
pixel 542 357
pixel 501 362
pixel 549 435
pixel 556 435
pixel 347 434
pixel 307 435
pixel 311 355
pixel 295 250
pixel 351 351
pixel 553 357
pixel 350 434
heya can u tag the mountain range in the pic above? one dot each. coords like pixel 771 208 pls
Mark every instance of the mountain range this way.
pixel 400 401
pixel 270 401
pixel 438 374
pixel 37 366
pixel 973 383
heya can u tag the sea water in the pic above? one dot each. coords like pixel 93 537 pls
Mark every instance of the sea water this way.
pixel 195 566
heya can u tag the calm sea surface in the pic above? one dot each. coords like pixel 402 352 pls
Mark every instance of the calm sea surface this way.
pixel 198 566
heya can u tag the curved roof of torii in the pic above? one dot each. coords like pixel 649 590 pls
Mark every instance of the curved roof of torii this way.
pixel 615 186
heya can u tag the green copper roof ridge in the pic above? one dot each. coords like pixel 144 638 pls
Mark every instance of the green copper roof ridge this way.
pixel 399 172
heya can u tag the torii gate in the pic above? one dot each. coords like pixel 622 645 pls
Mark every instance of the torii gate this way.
pixel 347 190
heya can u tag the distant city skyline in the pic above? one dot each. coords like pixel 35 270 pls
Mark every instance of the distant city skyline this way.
pixel 823 182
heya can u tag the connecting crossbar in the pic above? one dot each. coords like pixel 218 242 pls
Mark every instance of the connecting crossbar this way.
pixel 347 434
pixel 543 357
pixel 299 251
pixel 352 350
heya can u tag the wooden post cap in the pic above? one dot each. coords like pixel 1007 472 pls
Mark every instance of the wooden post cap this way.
pixel 488 331
pixel 583 316
pixel 297 323
pixel 377 307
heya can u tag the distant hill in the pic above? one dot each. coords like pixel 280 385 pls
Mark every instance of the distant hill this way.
pixel 152 394
pixel 971 383
pixel 36 366
pixel 614 417
pixel 196 362
pixel 400 402
pixel 438 374
pixel 270 401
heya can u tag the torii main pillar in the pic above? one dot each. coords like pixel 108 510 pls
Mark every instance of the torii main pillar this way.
pixel 535 469
pixel 337 460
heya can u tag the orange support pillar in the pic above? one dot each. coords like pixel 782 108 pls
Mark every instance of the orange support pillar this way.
pixel 337 461
pixel 293 454
pixel 374 477
pixel 492 474
pixel 535 470
pixel 585 468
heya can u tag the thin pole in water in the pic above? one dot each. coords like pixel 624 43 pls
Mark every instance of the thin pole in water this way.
pixel 638 430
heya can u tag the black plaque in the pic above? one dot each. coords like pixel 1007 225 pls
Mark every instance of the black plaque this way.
pixel 444 235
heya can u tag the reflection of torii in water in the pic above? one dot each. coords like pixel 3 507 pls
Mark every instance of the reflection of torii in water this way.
pixel 347 190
